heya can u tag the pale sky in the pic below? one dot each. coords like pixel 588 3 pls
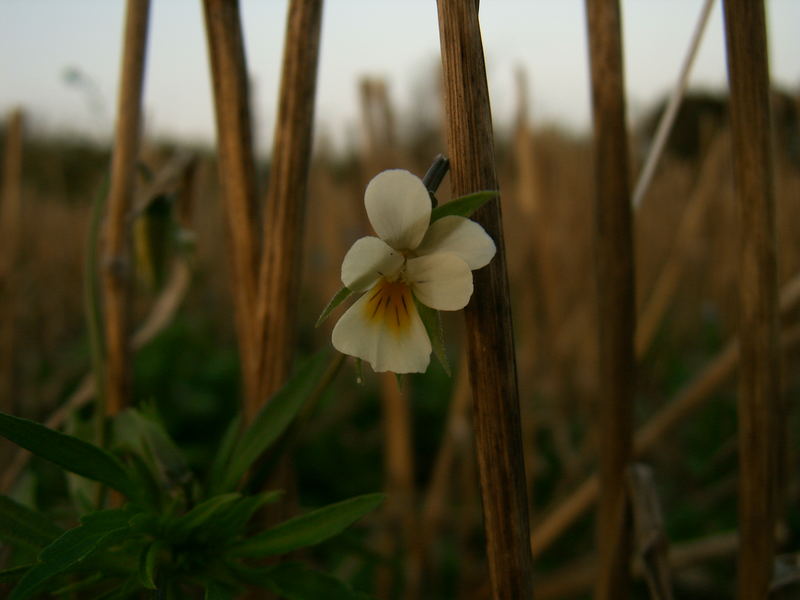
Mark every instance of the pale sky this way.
pixel 398 40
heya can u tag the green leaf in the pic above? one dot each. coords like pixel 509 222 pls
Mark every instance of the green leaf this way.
pixel 147 563
pixel 271 421
pixel 14 573
pixel 340 296
pixel 224 454
pixel 217 591
pixel 22 526
pixel 309 529
pixel 463 206
pixel 230 520
pixel 202 514
pixel 145 434
pixel 69 453
pixel 295 581
pixel 70 548
pixel 433 325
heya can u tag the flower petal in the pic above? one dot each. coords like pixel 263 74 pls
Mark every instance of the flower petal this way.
pixel 398 207
pixel 442 281
pixel 463 237
pixel 367 260
pixel 377 330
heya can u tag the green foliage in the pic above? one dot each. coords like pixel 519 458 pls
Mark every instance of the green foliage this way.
pixel 21 525
pixel 271 421
pixel 339 297
pixel 433 325
pixel 170 536
pixel 69 453
pixel 308 530
pixel 463 206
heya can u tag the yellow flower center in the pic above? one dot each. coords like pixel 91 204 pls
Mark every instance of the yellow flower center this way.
pixel 390 304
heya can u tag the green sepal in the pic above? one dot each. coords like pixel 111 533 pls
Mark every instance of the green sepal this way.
pixel 339 297
pixel 463 206
pixel 307 530
pixel 433 325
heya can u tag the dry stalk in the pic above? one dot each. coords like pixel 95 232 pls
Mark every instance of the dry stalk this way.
pixel 688 230
pixel 578 577
pixel 651 539
pixel 279 277
pixel 717 372
pixel 615 295
pixel 117 265
pixel 10 218
pixel 761 411
pixel 236 174
pixel 489 330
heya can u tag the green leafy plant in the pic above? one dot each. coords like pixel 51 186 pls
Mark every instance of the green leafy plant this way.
pixel 166 531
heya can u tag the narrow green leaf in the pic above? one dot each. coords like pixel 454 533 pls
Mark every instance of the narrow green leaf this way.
pixel 271 421
pixel 14 573
pixel 20 525
pixel 217 591
pixel 68 452
pixel 70 548
pixel 146 434
pixel 295 581
pixel 433 325
pixel 147 563
pixel 230 520
pixel 463 206
pixel 309 529
pixel 224 454
pixel 340 296
pixel 202 514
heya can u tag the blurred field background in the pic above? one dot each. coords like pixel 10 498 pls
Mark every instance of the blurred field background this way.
pixel 427 542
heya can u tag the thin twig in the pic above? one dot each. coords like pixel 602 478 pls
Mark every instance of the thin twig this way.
pixel 761 412
pixel 615 297
pixel 117 267
pixel 489 332
pixel 668 118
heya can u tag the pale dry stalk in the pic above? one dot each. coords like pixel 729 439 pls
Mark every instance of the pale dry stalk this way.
pixel 666 284
pixel 615 296
pixel 237 175
pixel 489 332
pixel 284 215
pixel 10 218
pixel 761 411
pixel 117 264
pixel 689 399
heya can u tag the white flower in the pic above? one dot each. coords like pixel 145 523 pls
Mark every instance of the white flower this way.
pixel 411 258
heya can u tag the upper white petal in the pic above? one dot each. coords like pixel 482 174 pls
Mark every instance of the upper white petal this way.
pixel 461 236
pixel 368 259
pixel 399 208
pixel 442 281
pixel 385 350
